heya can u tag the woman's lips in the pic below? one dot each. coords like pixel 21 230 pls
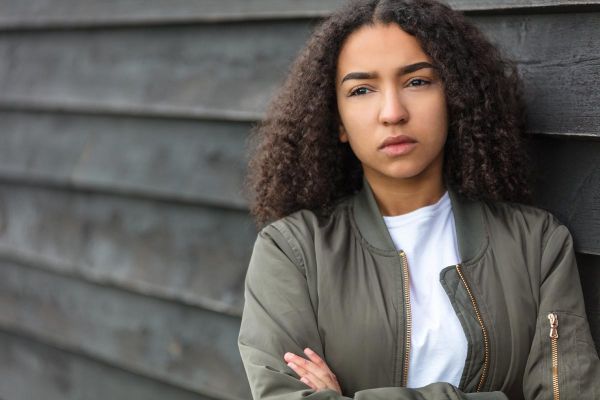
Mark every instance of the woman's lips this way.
pixel 398 145
pixel 398 149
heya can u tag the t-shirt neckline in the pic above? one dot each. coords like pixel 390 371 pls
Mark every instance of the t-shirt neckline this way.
pixel 421 213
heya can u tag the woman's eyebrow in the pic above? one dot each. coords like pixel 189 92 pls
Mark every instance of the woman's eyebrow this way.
pixel 407 69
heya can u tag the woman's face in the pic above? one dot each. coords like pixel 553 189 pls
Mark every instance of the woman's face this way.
pixel 391 104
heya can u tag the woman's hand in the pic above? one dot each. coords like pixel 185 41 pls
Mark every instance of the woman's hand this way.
pixel 313 372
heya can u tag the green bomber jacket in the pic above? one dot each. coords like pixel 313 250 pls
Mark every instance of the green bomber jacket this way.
pixel 337 284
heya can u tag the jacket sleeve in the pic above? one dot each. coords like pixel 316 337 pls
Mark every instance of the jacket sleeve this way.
pixel 279 317
pixel 578 372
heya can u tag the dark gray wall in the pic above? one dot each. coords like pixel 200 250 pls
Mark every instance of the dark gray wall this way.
pixel 124 237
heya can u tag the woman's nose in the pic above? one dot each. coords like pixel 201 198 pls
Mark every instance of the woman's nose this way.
pixel 392 109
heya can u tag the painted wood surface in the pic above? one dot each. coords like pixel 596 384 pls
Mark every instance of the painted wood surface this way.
pixel 195 162
pixel 84 13
pixel 568 184
pixel 206 71
pixel 187 254
pixel 181 345
pixel 33 370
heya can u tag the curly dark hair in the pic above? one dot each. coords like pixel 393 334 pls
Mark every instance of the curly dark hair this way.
pixel 297 160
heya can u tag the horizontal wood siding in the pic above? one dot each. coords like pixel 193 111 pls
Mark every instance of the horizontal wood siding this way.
pixel 33 370
pixel 180 345
pixel 76 13
pixel 124 230
pixel 567 183
pixel 188 254
pixel 204 71
pixel 191 161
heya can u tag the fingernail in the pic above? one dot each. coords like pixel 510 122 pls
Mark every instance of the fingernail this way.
pixel 308 350
pixel 291 365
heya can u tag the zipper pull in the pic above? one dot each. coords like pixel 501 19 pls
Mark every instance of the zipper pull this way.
pixel 553 325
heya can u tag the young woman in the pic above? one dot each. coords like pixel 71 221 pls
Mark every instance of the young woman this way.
pixel 396 261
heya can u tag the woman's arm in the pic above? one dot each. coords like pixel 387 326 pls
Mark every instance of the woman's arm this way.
pixel 565 365
pixel 279 317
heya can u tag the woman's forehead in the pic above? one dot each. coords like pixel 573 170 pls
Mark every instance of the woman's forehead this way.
pixel 379 47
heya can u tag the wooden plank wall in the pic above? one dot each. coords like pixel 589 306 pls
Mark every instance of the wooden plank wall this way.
pixel 124 237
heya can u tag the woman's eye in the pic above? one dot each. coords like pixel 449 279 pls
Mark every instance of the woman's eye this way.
pixel 360 91
pixel 420 82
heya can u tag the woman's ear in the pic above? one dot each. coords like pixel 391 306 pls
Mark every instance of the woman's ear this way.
pixel 343 135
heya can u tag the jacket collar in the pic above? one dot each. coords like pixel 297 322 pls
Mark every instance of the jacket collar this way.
pixel 471 234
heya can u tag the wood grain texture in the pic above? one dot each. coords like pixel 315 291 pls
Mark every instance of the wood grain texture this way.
pixel 198 162
pixel 44 13
pixel 34 370
pixel 589 269
pixel 200 71
pixel 495 5
pixel 192 255
pixel 561 75
pixel 181 345
pixel 230 71
pixel 568 184
pixel 84 13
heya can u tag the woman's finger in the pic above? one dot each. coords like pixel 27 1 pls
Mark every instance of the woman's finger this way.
pixel 320 372
pixel 298 369
pixel 314 357
pixel 320 376
pixel 314 382
pixel 318 361
pixel 306 380
pixel 307 377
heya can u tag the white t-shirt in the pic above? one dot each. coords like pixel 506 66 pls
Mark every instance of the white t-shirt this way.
pixel 438 343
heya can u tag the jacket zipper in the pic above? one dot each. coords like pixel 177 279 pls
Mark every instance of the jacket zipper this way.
pixel 408 313
pixel 553 318
pixel 486 341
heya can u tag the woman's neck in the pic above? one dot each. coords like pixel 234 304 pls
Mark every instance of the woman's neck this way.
pixel 401 196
